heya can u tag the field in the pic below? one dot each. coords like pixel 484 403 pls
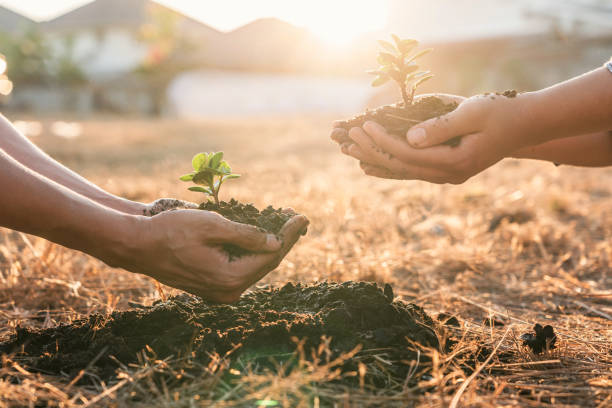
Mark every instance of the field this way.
pixel 524 243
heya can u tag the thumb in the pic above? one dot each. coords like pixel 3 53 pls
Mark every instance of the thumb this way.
pixel 432 132
pixel 249 237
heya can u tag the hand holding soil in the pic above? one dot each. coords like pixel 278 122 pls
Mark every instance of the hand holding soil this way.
pixel 185 249
pixel 568 123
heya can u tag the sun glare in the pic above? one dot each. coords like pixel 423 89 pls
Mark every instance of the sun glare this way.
pixel 344 21
pixel 336 22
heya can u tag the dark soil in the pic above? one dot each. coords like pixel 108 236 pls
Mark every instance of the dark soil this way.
pixel 541 339
pixel 269 219
pixel 260 325
pixel 398 118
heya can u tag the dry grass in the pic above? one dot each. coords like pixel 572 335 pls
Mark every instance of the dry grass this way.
pixel 431 242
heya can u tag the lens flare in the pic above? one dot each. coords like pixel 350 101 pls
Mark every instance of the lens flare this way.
pixel 6 86
pixel 2 64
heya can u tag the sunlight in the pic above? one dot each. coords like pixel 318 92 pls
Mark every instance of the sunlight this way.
pixel 344 21
pixel 335 22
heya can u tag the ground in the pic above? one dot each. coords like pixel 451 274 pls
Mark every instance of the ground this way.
pixel 524 243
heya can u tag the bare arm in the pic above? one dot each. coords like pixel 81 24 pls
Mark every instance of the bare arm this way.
pixel 590 150
pixel 179 248
pixel 25 152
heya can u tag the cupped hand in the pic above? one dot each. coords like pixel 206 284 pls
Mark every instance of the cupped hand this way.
pixel 491 127
pixel 184 249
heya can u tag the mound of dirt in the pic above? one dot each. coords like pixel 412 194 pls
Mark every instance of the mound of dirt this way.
pixel 262 323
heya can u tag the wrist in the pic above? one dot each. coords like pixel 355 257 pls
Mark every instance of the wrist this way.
pixel 116 239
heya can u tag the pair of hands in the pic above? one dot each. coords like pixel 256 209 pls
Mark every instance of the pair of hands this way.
pixel 182 247
pixel 486 123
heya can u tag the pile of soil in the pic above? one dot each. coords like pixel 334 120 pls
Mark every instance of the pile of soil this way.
pixel 262 323
pixel 398 118
pixel 269 220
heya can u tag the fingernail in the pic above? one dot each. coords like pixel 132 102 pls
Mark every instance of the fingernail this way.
pixel 272 241
pixel 416 136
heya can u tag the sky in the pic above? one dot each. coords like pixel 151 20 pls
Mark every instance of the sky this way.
pixel 319 16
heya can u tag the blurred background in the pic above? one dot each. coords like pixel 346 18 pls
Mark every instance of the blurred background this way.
pixel 196 59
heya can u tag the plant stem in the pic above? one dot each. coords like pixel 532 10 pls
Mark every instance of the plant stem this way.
pixel 407 100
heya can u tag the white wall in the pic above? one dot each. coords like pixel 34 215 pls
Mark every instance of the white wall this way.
pixel 104 54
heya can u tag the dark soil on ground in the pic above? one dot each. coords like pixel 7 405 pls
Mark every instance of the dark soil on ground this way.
pixel 263 323
pixel 398 118
pixel 269 219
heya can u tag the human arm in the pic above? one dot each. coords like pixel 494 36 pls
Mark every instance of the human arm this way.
pixel 590 150
pixel 29 155
pixel 494 127
pixel 179 248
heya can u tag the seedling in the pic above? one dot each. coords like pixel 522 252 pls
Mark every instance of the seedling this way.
pixel 397 63
pixel 210 172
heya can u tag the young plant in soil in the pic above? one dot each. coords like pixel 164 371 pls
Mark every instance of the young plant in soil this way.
pixel 210 172
pixel 397 63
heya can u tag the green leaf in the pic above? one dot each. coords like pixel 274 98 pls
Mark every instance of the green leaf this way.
pixel 387 46
pixel 224 167
pixel 419 54
pixel 199 161
pixel 206 176
pixel 384 58
pixel 397 40
pixel 421 80
pixel 230 176
pixel 187 177
pixel 416 75
pixel 201 190
pixel 380 80
pixel 215 160
pixel 405 46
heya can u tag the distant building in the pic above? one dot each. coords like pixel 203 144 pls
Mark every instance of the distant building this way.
pixel 11 22
pixel 105 37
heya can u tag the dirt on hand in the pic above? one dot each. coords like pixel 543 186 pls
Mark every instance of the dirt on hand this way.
pixel 261 324
pixel 268 220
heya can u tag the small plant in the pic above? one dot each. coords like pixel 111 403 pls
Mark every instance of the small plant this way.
pixel 210 172
pixel 397 62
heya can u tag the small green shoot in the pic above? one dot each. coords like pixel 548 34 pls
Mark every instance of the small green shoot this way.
pixel 210 171
pixel 397 62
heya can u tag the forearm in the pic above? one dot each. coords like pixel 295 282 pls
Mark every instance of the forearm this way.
pixel 579 106
pixel 591 150
pixel 25 152
pixel 33 204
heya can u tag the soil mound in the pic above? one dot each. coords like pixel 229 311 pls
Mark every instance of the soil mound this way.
pixel 262 323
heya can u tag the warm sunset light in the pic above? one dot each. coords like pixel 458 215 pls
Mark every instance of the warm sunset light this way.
pixel 335 22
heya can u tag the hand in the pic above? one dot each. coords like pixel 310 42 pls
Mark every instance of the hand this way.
pixel 492 127
pixel 164 204
pixel 183 249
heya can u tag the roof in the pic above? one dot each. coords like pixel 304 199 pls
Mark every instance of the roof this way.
pixel 11 21
pixel 112 13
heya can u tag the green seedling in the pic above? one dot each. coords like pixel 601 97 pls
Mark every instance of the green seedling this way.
pixel 397 63
pixel 210 171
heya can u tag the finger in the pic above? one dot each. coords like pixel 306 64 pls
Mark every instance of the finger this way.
pixel 288 211
pixel 436 156
pixel 432 132
pixel 262 264
pixel 340 135
pixel 367 151
pixel 408 173
pixel 246 237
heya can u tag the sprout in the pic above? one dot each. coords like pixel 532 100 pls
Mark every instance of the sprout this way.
pixel 210 172
pixel 397 62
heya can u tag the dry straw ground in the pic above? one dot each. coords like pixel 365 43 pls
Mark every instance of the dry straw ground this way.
pixel 433 243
